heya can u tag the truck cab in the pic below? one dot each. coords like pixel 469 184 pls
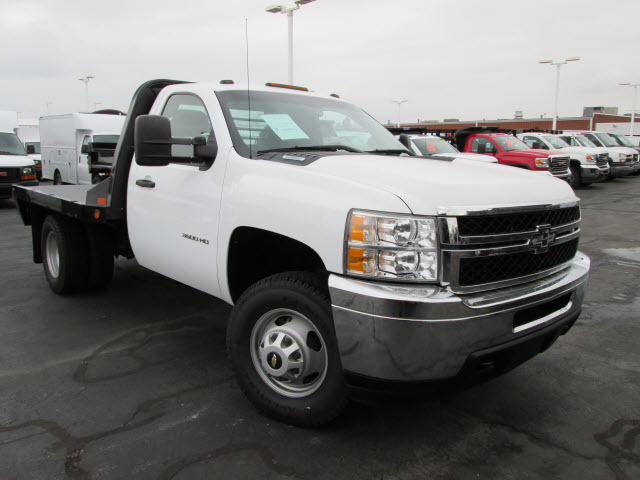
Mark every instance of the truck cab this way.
pixel 510 150
pixel 587 165
pixel 348 260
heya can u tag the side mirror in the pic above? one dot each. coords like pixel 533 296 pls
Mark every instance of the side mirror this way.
pixel 85 149
pixel 206 150
pixel 152 140
pixel 31 149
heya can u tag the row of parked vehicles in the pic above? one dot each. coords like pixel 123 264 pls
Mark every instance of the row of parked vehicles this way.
pixel 580 157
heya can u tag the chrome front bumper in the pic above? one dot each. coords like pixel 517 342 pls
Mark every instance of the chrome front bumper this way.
pixel 592 173
pixel 423 333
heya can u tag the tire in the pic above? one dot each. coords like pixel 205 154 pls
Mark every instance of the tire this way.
pixel 284 321
pixel 575 180
pixel 100 241
pixel 64 254
pixel 57 178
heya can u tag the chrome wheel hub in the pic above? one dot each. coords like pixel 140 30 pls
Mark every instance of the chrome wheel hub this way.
pixel 289 353
pixel 53 255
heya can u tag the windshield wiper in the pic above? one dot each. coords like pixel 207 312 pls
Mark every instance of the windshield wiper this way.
pixel 391 151
pixel 329 148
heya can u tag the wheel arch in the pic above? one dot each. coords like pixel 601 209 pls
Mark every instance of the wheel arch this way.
pixel 254 254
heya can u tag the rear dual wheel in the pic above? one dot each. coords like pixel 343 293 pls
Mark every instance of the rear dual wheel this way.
pixel 283 350
pixel 75 259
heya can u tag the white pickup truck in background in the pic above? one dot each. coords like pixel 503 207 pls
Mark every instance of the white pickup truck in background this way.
pixel 348 260
pixel 78 148
pixel 587 164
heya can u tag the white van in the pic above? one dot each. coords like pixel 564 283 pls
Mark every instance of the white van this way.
pixel 15 166
pixel 78 148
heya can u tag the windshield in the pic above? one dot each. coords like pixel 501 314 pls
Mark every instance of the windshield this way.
pixel 11 145
pixel 433 145
pixel 622 140
pixel 284 121
pixel 105 138
pixel 555 142
pixel 35 145
pixel 584 141
pixel 509 143
pixel 606 140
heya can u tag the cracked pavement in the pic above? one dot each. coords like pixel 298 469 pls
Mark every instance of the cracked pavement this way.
pixel 133 382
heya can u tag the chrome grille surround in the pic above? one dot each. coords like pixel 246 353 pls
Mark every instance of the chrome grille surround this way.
pixel 602 160
pixel 455 247
pixel 558 165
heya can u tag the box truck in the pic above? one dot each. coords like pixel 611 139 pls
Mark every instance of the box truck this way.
pixel 78 148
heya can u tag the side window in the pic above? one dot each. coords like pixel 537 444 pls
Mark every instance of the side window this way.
pixel 482 145
pixel 189 118
pixel 85 145
pixel 529 141
pixel 594 139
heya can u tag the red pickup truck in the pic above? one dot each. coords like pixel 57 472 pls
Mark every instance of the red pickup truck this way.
pixel 510 150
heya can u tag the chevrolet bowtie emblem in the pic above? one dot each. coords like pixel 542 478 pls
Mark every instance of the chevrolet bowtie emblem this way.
pixel 274 360
pixel 542 239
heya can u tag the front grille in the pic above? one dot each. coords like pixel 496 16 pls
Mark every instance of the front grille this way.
pixel 9 175
pixel 559 165
pixel 516 222
pixel 602 160
pixel 481 270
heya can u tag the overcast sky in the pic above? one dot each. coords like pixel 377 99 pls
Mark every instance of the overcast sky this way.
pixel 464 59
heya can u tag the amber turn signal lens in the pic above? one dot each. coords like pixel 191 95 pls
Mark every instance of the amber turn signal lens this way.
pixel 356 233
pixel 355 261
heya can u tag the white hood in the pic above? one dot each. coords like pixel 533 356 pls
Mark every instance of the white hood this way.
pixel 478 157
pixel 426 184
pixel 584 150
pixel 15 161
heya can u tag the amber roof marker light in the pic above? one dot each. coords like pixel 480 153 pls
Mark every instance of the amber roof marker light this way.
pixel 284 85
pixel 279 8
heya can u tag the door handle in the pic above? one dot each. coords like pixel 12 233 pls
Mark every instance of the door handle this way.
pixel 145 183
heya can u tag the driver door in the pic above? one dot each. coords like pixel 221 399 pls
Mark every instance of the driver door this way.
pixel 172 211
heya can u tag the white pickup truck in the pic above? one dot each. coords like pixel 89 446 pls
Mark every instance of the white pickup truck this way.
pixel 587 164
pixel 346 266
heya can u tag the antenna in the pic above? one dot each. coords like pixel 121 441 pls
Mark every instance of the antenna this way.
pixel 246 37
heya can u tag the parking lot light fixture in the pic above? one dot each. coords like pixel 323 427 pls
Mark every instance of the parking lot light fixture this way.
pixel 289 11
pixel 85 80
pixel 633 107
pixel 557 65
pixel 399 102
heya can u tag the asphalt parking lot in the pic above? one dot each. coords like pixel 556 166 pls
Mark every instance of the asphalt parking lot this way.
pixel 133 382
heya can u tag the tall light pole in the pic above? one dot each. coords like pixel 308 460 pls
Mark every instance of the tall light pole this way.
pixel 633 110
pixel 399 102
pixel 289 11
pixel 557 65
pixel 86 79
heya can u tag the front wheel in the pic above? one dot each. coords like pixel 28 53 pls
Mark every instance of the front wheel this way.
pixel 283 350
pixel 576 178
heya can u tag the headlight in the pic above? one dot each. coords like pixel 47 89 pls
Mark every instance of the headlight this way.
pixel 400 247
pixel 590 159
pixel 27 173
pixel 542 162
